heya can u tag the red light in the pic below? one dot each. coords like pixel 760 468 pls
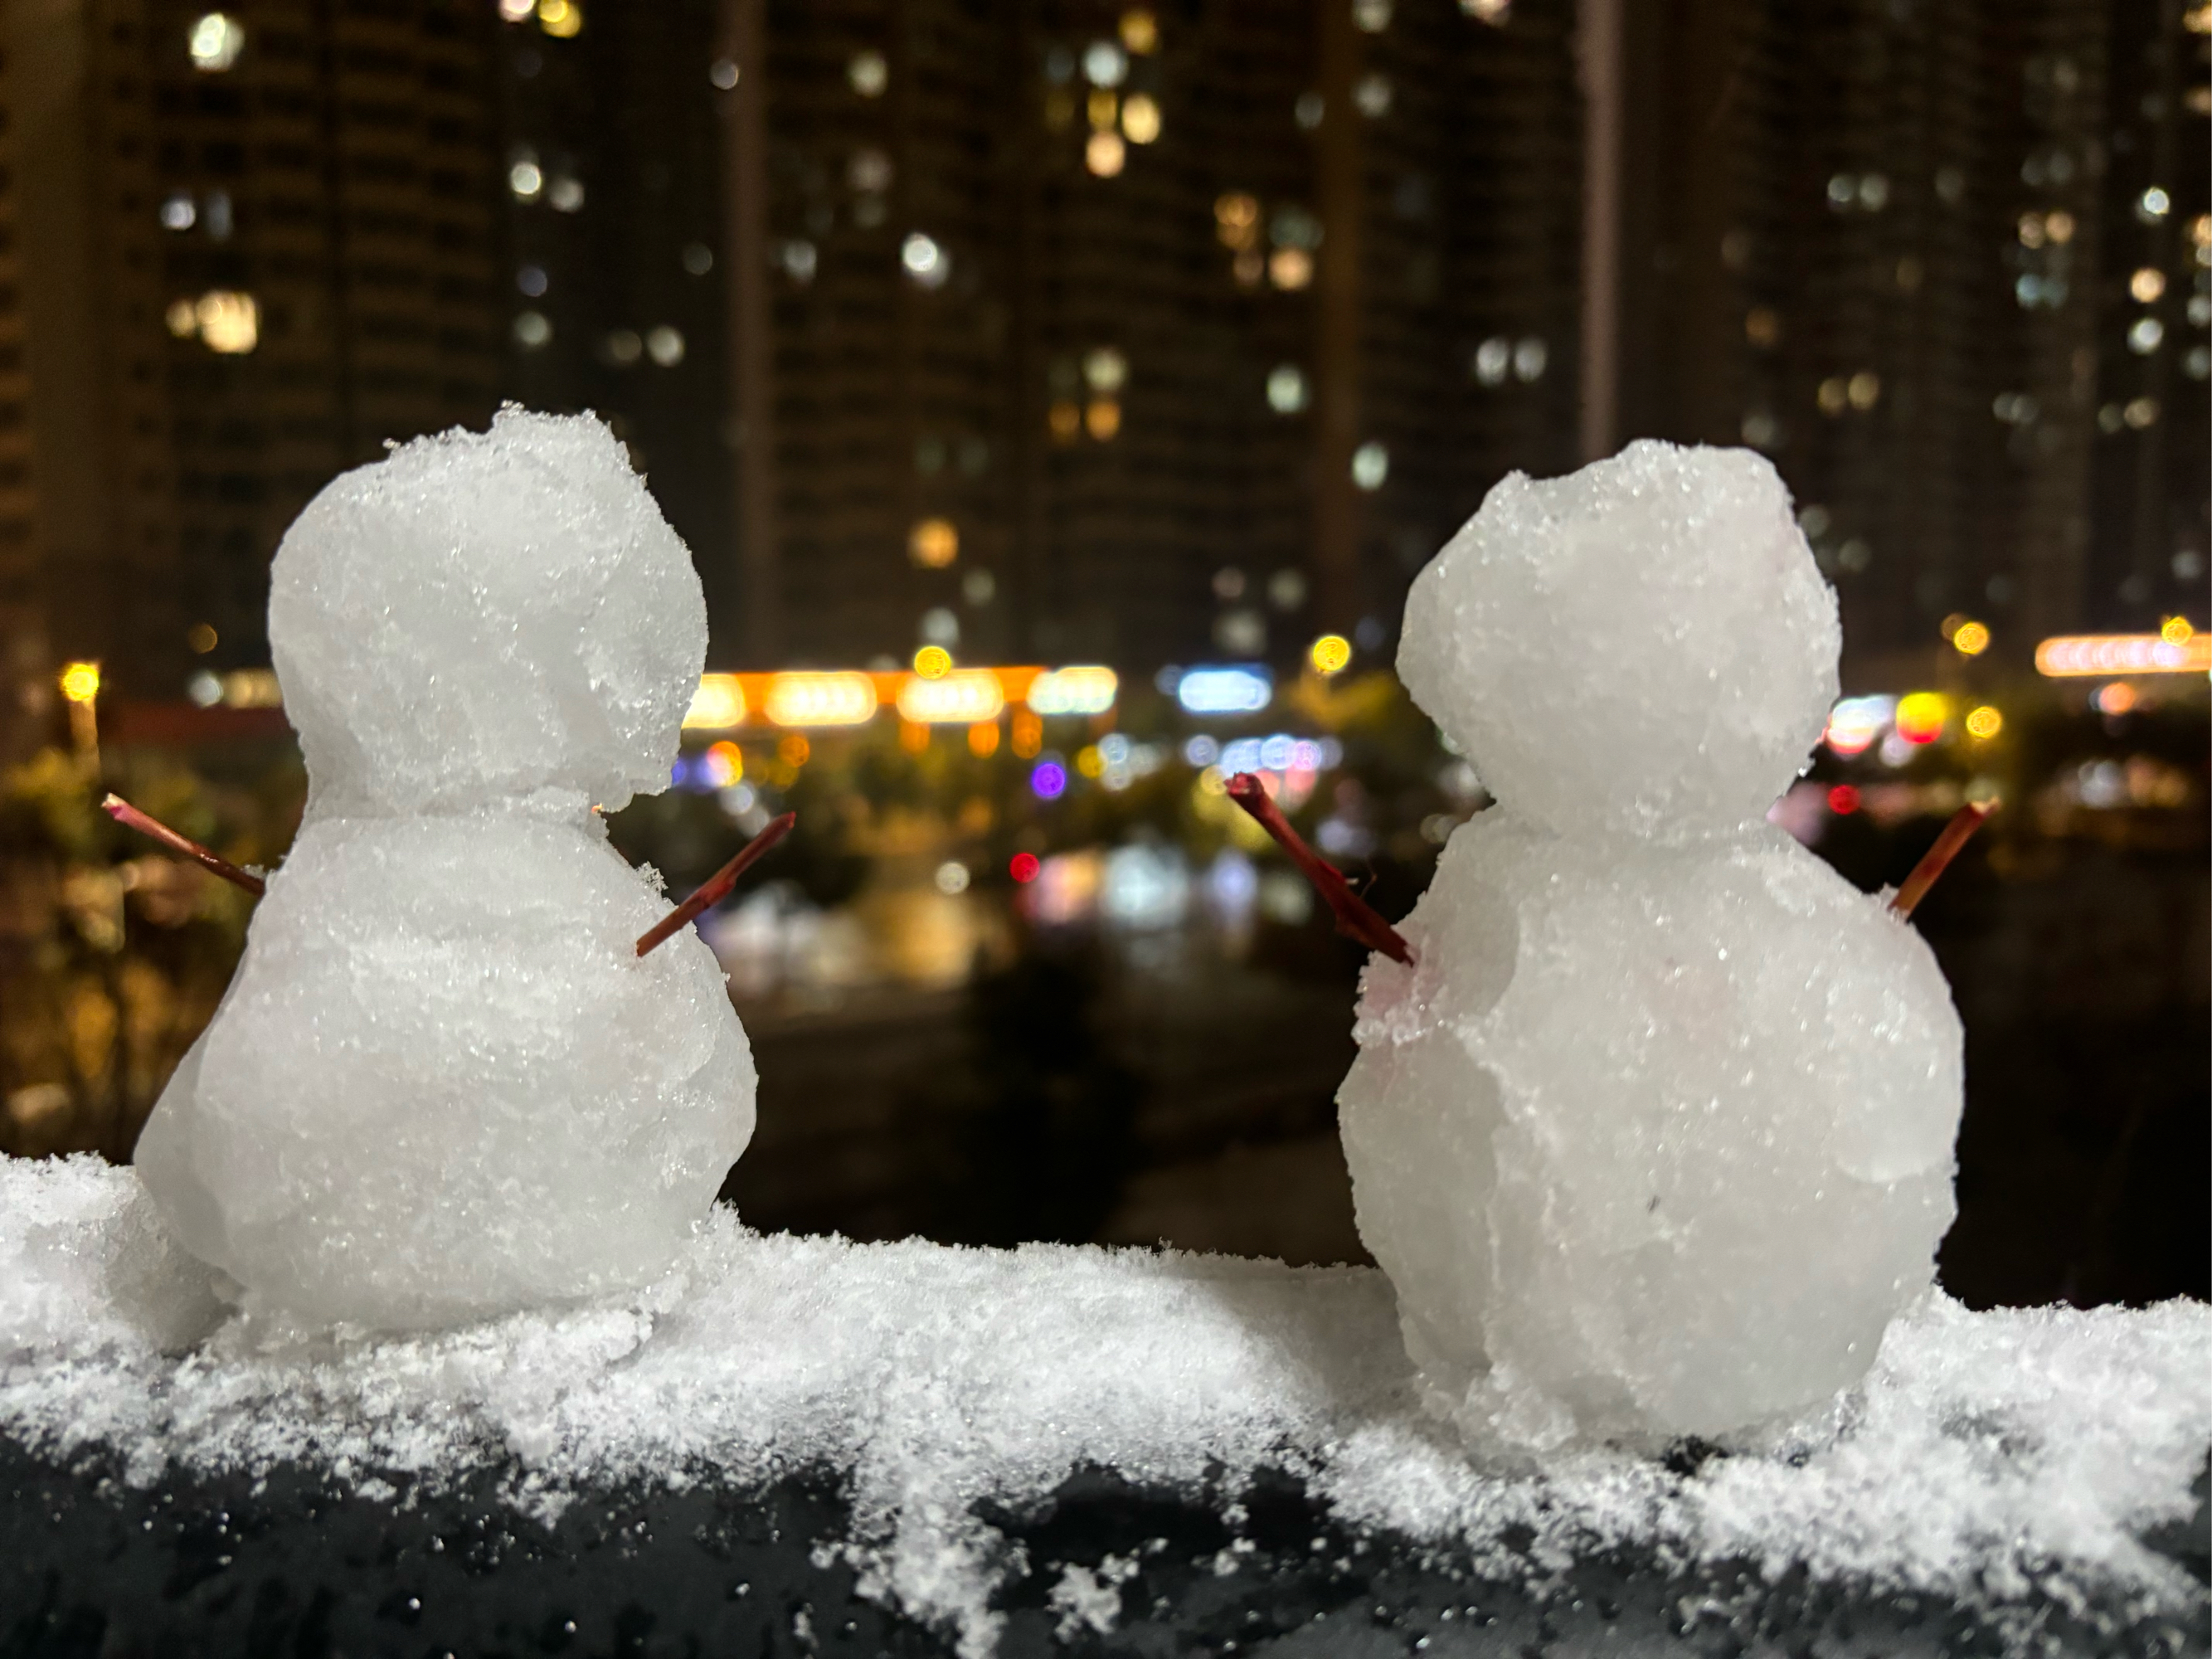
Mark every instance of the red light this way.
pixel 1843 799
pixel 1023 867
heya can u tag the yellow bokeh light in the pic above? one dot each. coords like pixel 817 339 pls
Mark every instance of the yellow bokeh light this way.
pixel 843 698
pixel 1141 31
pixel 1089 760
pixel 1102 106
pixel 967 697
pixel 2175 631
pixel 1984 722
pixel 1289 268
pixel 2059 227
pixel 1066 421
pixel 983 739
pixel 1140 118
pixel 794 751
pixel 1970 639
pixel 933 662
pixel 1028 733
pixel 2148 283
pixel 561 19
pixel 717 705
pixel 725 764
pixel 933 543
pixel 1330 654
pixel 1105 154
pixel 1102 418
pixel 229 323
pixel 1922 715
pixel 81 681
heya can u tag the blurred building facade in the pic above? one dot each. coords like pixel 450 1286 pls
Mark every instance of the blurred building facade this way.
pixel 1946 264
pixel 1197 344
pixel 247 250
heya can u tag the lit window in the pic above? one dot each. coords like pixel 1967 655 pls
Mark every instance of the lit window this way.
pixel 1864 390
pixel 1237 217
pixel 1141 33
pixel 229 323
pixel 665 345
pixel 2140 412
pixel 1286 389
pixel 2059 227
pixel 1493 360
pixel 1371 16
pixel 215 42
pixel 183 317
pixel 1102 419
pixel 2144 336
pixel 561 19
pixel 698 258
pixel 1496 13
pixel 624 347
pixel 1065 420
pixel 1833 395
pixel 1529 357
pixel 530 279
pixel 1873 191
pixel 516 11
pixel 1372 94
pixel 565 195
pixel 1103 107
pixel 525 179
pixel 2153 205
pixel 722 74
pixel 177 212
pixel 2031 230
pixel 979 588
pixel 1289 268
pixel 869 170
pixel 1106 370
pixel 1105 64
pixel 1105 154
pixel 1308 109
pixel 799 260
pixel 868 74
pixel 1140 118
pixel 532 329
pixel 933 544
pixel 1762 327
pixel 2147 285
pixel 940 626
pixel 1759 429
pixel 1371 465
pixel 927 262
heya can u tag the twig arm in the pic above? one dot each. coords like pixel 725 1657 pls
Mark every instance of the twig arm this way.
pixel 131 819
pixel 1956 834
pixel 717 886
pixel 1356 919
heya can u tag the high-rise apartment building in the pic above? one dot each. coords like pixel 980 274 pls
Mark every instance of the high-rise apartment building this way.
pixel 1146 334
pixel 1893 245
pixel 249 248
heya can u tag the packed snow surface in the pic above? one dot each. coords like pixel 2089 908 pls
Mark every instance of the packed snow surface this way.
pixel 1985 1458
pixel 442 1085
pixel 1655 1138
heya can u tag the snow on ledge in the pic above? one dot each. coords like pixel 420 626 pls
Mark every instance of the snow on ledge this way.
pixel 1988 1454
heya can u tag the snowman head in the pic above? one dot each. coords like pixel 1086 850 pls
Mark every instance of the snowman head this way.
pixel 1644 648
pixel 484 619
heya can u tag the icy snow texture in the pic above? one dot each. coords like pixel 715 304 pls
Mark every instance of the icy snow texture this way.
pixel 441 1085
pixel 1657 1136
pixel 1644 647
pixel 483 617
pixel 1985 1455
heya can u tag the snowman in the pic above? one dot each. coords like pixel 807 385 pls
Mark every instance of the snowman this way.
pixel 1654 1136
pixel 443 1084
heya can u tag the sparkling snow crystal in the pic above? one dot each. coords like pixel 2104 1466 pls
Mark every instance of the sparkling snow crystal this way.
pixel 1656 1137
pixel 1983 1453
pixel 442 1085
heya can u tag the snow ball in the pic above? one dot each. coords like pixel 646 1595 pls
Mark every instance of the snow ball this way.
pixel 1644 648
pixel 486 617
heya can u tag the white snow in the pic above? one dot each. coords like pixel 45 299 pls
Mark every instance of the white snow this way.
pixel 1983 1453
pixel 442 1085
pixel 1655 1137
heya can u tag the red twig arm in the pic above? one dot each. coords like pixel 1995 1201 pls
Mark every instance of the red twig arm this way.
pixel 717 886
pixel 1356 919
pixel 1956 834
pixel 131 819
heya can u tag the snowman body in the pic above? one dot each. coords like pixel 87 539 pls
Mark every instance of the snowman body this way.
pixel 1656 1136
pixel 442 1085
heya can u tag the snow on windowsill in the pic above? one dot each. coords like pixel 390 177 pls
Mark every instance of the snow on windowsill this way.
pixel 1987 1454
